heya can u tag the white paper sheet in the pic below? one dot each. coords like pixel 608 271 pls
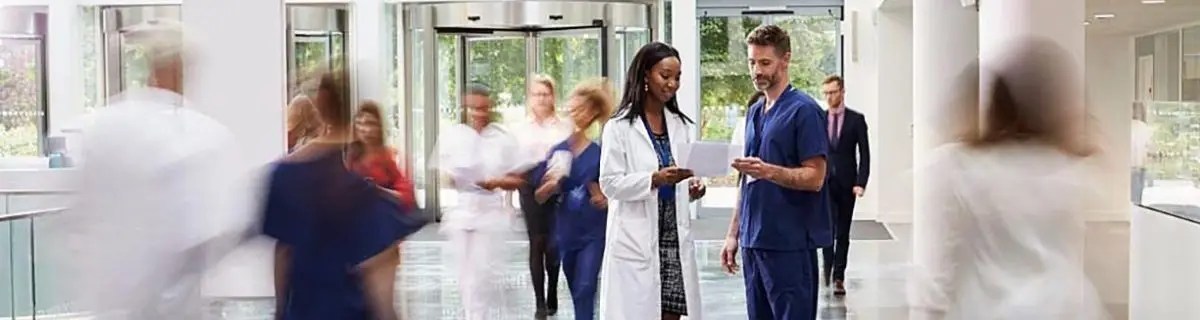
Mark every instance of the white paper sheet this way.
pixel 710 159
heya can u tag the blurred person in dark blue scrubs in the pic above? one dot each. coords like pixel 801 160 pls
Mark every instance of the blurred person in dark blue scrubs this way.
pixel 336 254
pixel 783 214
pixel 581 208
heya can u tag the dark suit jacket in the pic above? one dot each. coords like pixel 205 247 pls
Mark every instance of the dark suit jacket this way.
pixel 850 169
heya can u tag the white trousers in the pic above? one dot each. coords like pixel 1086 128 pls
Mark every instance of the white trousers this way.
pixel 479 259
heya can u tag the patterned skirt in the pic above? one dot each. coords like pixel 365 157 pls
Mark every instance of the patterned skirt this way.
pixel 674 298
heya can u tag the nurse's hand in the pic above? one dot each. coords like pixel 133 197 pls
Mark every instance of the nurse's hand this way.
pixel 754 167
pixel 697 189
pixel 729 255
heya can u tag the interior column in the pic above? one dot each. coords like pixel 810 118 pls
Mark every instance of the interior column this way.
pixel 235 72
pixel 945 44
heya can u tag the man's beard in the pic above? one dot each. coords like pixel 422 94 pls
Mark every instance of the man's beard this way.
pixel 764 82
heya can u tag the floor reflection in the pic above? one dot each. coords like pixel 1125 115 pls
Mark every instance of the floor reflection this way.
pixel 875 280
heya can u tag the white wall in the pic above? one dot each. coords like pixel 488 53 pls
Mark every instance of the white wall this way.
pixel 862 90
pixel 1109 70
pixel 893 138
pixel 1163 279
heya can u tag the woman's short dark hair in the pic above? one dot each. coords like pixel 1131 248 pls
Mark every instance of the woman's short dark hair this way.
pixel 633 100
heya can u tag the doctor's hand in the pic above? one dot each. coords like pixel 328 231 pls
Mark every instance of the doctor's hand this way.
pixel 859 191
pixel 729 255
pixel 755 168
pixel 696 189
pixel 669 176
pixel 546 190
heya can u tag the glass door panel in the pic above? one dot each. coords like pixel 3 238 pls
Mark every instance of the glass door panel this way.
pixel 570 58
pixel 500 64
pixel 629 41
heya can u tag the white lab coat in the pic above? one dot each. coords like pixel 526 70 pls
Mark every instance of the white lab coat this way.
pixel 630 283
pixel 156 207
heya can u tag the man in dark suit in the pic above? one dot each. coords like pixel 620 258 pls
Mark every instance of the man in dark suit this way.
pixel 849 164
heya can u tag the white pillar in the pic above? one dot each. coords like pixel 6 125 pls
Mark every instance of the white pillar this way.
pixel 64 65
pixel 945 39
pixel 686 39
pixel 236 74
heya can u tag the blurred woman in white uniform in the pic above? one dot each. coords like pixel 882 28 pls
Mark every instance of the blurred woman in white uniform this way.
pixel 482 161
pixel 1000 225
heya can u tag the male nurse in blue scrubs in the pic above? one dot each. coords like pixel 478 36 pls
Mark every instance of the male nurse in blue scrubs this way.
pixel 783 215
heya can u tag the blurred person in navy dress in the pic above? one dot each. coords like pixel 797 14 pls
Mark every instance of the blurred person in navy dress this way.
pixel 337 249
pixel 582 209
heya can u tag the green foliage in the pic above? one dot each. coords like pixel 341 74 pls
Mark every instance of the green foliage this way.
pixel 1176 141
pixel 725 76
pixel 19 141
pixel 21 111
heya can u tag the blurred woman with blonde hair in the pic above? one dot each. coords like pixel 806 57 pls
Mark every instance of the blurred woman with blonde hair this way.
pixel 574 187
pixel 303 124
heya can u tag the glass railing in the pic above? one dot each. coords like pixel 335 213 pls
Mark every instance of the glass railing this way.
pixel 1172 170
pixel 29 287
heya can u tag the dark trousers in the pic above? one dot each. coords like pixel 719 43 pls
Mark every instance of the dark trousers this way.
pixel 780 285
pixel 842 201
pixel 543 253
pixel 581 265
pixel 1138 179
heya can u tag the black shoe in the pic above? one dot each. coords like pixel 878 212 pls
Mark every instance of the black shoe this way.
pixel 540 314
pixel 839 288
pixel 551 306
pixel 552 311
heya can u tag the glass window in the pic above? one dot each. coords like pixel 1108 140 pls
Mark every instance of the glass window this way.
pixel 1191 64
pixel 22 112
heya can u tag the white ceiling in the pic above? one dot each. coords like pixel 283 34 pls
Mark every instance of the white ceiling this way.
pixel 1133 17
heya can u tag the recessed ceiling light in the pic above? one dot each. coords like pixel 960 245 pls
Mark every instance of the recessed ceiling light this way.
pixel 1102 16
pixel 1085 22
pixel 1153 1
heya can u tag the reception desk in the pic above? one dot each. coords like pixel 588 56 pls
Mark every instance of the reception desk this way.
pixel 1164 257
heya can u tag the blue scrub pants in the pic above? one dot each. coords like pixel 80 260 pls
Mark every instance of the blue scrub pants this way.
pixel 581 265
pixel 780 284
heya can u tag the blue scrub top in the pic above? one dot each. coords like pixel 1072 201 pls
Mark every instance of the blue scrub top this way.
pixel 578 222
pixel 333 220
pixel 774 217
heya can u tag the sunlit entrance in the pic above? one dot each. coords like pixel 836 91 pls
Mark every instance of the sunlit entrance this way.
pixel 502 45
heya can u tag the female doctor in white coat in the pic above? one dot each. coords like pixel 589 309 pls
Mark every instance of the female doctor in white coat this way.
pixel 649 268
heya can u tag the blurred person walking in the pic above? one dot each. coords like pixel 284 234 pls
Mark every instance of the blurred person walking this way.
pixel 1005 231
pixel 157 204
pixel 373 159
pixel 303 124
pixel 581 208
pixel 482 161
pixel 541 131
pixel 337 233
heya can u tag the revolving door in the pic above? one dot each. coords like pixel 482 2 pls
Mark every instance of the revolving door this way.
pixel 502 45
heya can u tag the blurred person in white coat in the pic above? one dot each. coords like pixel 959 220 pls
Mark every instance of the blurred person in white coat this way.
pixel 156 201
pixel 1000 228
pixel 649 269
pixel 482 161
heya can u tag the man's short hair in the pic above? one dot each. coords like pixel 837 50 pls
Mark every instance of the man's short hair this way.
pixel 478 89
pixel 771 35
pixel 835 78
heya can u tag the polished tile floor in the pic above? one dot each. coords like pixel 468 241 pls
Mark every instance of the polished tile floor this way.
pixel 876 280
